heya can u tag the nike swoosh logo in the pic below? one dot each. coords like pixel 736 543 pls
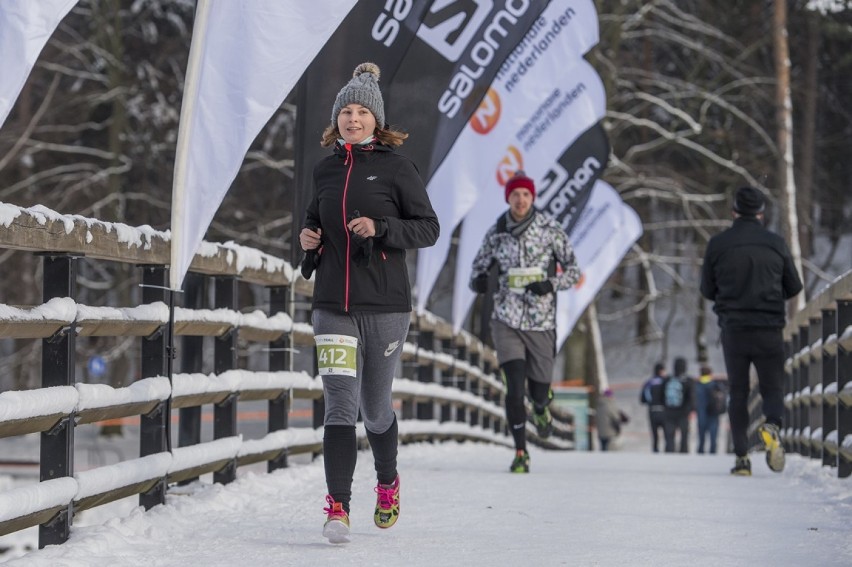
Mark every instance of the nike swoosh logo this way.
pixel 391 348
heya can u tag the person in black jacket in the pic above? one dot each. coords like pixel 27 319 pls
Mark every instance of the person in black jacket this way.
pixel 678 402
pixel 651 395
pixel 749 273
pixel 369 205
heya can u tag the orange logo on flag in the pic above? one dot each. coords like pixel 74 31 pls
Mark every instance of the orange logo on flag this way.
pixel 487 114
pixel 511 162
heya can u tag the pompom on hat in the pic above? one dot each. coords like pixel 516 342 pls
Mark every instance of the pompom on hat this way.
pixel 749 202
pixel 520 179
pixel 362 89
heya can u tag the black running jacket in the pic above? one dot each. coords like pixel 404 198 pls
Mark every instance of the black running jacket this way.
pixel 369 180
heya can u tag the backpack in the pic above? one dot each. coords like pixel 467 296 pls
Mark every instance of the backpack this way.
pixel 717 403
pixel 646 393
pixel 673 394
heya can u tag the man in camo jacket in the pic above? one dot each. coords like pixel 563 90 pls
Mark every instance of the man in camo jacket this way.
pixel 526 245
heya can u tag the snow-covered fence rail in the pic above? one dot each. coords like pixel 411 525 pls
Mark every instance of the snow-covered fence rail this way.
pixel 447 390
pixel 818 392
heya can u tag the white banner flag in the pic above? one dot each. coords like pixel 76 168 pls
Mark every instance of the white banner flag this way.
pixel 564 31
pixel 246 56
pixel 25 27
pixel 605 231
pixel 573 103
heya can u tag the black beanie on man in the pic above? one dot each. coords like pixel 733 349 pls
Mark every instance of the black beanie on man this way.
pixel 749 202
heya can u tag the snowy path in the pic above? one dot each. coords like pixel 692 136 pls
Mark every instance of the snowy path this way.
pixel 461 507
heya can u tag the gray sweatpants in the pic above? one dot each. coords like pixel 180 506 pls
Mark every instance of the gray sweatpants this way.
pixel 380 338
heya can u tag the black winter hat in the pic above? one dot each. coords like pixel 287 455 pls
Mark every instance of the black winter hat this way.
pixel 749 202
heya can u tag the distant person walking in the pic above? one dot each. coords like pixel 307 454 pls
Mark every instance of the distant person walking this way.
pixel 678 401
pixel 711 402
pixel 369 205
pixel 608 419
pixel 749 273
pixel 651 395
pixel 526 246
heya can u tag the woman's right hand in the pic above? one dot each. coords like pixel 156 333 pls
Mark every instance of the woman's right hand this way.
pixel 309 239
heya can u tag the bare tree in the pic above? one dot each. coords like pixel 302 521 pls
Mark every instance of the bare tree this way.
pixel 784 113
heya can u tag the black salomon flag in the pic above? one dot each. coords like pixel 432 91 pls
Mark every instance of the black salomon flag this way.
pixel 449 67
pixel 568 185
pixel 437 60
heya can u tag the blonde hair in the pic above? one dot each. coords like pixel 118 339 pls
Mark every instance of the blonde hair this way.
pixel 387 136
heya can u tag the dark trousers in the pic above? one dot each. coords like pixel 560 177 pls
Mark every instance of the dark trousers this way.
pixel 764 348
pixel 677 421
pixel 708 426
pixel 657 420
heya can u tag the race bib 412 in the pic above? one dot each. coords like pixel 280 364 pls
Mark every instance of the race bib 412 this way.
pixel 337 354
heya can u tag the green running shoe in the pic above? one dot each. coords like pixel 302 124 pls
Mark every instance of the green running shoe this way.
pixel 543 422
pixel 771 436
pixel 387 504
pixel 521 462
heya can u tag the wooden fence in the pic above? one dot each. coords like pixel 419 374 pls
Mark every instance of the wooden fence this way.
pixel 818 380
pixel 818 392
pixel 447 387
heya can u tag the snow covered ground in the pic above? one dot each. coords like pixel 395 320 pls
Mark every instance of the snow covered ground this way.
pixel 460 506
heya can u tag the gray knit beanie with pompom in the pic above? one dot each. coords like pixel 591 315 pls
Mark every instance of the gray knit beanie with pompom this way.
pixel 363 89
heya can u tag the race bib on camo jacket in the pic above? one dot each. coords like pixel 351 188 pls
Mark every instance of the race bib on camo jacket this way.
pixel 520 277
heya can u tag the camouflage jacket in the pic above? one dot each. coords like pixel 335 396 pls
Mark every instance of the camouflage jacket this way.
pixel 531 256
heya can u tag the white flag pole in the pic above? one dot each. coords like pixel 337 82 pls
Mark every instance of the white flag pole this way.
pixel 187 115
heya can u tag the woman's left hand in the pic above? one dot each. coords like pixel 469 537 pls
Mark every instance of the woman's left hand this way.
pixel 362 226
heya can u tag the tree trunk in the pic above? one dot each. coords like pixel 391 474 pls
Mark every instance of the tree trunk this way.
pixel 807 149
pixel 784 119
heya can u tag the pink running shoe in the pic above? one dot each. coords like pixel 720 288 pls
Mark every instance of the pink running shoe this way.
pixel 336 528
pixel 387 504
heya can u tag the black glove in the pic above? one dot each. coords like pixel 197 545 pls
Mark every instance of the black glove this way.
pixel 363 247
pixel 479 284
pixel 540 288
pixel 363 250
pixel 311 259
pixel 309 263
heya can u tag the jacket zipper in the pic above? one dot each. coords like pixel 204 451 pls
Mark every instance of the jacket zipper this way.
pixel 350 162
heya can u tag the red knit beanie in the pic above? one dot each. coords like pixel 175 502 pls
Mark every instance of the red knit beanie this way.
pixel 520 179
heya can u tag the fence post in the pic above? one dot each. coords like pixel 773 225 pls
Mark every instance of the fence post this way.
pixel 191 361
pixel 152 427
pixel 57 369
pixel 225 358
pixel 426 373
pixel 789 391
pixel 804 447
pixel 477 387
pixel 280 357
pixel 843 376
pixel 815 385
pixel 829 413
pixel 448 380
